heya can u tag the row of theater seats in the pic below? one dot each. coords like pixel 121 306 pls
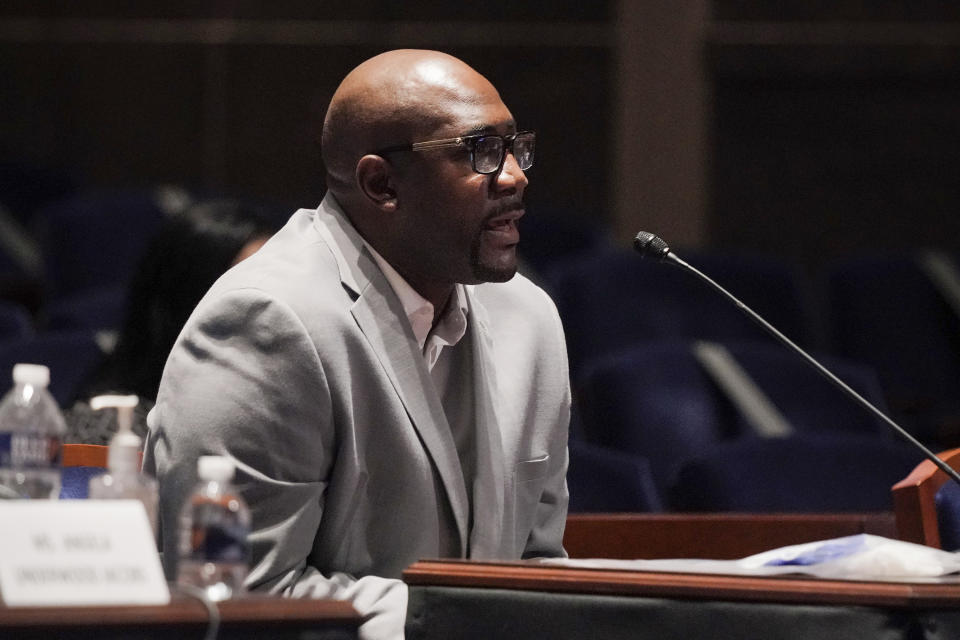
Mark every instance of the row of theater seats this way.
pixel 886 325
pixel 658 400
pixel 895 313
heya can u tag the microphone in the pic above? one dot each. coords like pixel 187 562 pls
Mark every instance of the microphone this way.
pixel 650 246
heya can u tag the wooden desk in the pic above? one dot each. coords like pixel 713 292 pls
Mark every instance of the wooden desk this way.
pixel 718 536
pixel 517 600
pixel 254 617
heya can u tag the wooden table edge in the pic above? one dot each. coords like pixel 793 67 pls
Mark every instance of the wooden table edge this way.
pixel 792 588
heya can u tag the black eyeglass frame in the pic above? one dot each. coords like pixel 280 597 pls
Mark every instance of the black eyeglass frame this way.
pixel 470 142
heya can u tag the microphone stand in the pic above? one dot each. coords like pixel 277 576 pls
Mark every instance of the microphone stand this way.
pixel 648 244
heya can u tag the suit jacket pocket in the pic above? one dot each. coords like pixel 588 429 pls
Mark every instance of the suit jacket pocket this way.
pixel 532 469
pixel 528 485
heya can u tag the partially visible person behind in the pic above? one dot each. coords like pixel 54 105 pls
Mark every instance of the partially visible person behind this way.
pixel 191 250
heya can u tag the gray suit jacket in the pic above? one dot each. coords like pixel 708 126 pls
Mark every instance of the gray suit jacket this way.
pixel 301 365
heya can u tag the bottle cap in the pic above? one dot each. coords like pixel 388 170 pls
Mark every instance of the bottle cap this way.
pixel 216 468
pixel 35 374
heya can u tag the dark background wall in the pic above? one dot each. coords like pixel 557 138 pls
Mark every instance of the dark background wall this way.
pixel 230 96
pixel 808 129
pixel 836 126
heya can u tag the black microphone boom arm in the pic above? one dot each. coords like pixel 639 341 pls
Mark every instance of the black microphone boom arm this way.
pixel 649 245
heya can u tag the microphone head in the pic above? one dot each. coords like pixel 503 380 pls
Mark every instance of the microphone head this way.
pixel 650 246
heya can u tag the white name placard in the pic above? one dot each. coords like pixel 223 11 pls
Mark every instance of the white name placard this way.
pixel 78 552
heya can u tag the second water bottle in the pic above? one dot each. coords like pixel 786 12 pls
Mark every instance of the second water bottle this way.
pixel 214 552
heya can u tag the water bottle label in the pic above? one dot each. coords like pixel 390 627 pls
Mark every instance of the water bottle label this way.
pixel 32 451
pixel 219 543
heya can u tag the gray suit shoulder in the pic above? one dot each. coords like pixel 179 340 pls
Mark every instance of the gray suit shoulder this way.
pixel 518 293
pixel 520 312
pixel 296 266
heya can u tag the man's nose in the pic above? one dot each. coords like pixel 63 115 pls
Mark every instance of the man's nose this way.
pixel 511 176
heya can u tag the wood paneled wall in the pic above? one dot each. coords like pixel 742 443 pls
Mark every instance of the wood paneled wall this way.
pixel 809 130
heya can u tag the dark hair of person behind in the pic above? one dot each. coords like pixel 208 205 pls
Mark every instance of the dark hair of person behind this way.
pixel 192 249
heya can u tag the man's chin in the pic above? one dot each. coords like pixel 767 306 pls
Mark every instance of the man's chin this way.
pixel 492 263
pixel 494 273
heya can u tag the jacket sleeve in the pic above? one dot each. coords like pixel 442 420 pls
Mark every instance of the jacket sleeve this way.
pixel 245 380
pixel 553 381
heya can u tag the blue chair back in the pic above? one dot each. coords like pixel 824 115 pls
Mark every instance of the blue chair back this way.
pixel 655 400
pixel 602 480
pixel 70 355
pixel 807 398
pixel 802 473
pixel 96 238
pixel 947 502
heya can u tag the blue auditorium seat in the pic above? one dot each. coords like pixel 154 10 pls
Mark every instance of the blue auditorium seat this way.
pixel 802 473
pixel 95 239
pixel 70 355
pixel 602 480
pixel 948 515
pixel 657 401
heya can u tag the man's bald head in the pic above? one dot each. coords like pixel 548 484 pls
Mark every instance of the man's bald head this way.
pixel 395 97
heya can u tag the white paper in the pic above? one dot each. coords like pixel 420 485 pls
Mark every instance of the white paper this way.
pixel 859 557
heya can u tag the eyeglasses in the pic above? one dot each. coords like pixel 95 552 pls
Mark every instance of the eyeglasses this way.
pixel 487 151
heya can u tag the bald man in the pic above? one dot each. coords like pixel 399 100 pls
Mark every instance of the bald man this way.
pixel 389 388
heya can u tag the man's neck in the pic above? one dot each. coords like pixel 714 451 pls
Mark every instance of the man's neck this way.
pixel 437 295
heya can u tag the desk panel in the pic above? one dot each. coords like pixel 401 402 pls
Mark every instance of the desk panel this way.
pixel 523 600
pixel 441 613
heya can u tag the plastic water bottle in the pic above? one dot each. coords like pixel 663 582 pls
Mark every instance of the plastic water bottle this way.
pixel 214 553
pixel 31 432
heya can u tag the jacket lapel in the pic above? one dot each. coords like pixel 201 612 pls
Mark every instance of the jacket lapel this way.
pixel 381 318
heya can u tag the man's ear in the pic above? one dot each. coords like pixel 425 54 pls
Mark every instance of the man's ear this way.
pixel 376 181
